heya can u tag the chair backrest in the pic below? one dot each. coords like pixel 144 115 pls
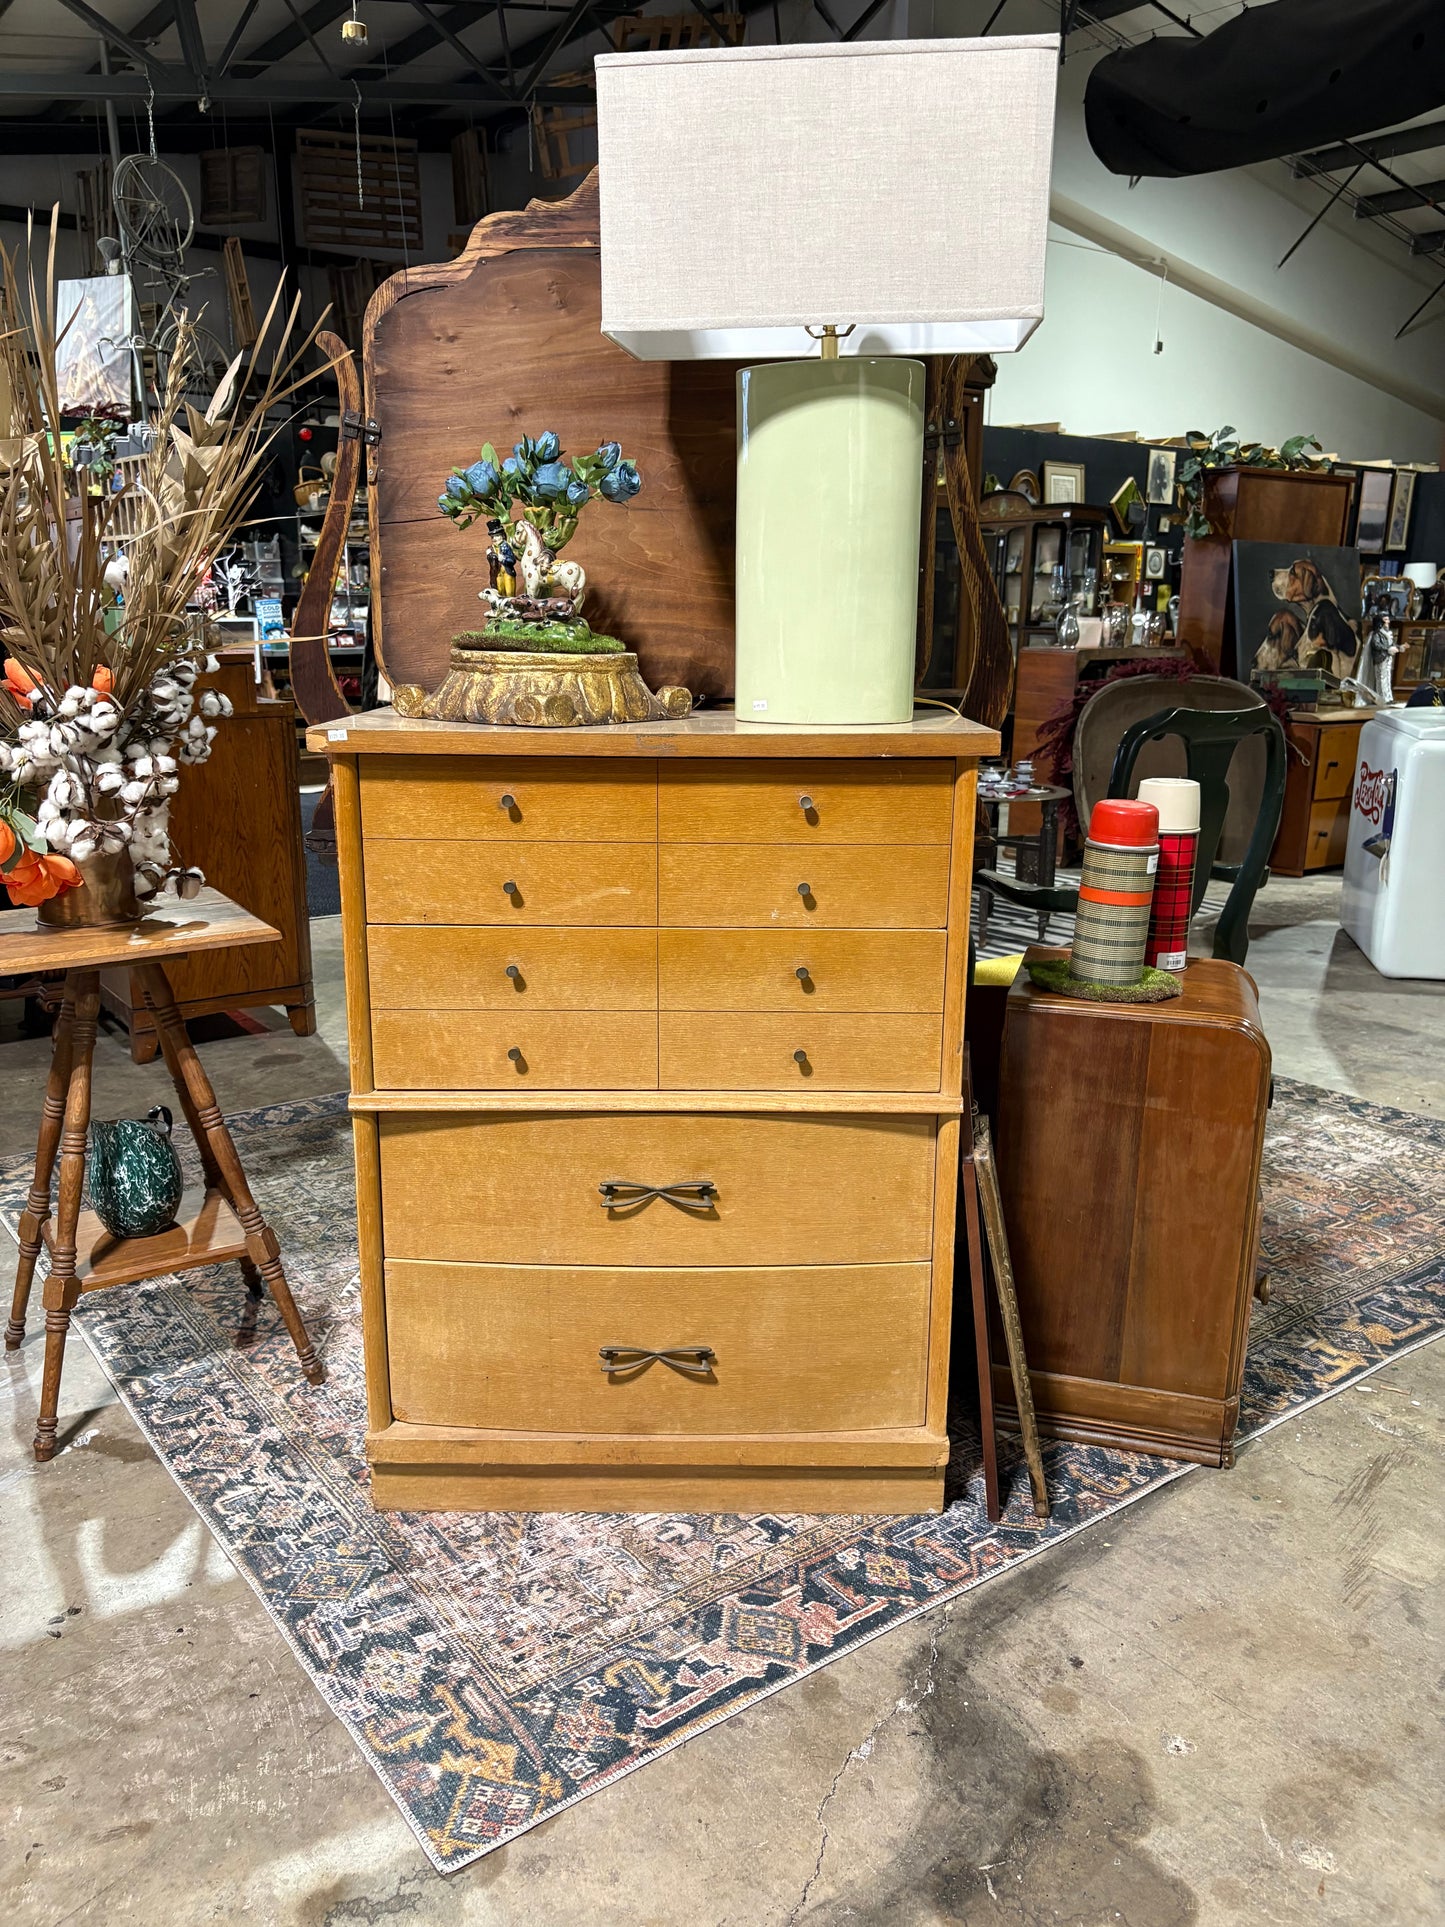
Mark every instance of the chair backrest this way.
pixel 1118 705
pixel 1211 738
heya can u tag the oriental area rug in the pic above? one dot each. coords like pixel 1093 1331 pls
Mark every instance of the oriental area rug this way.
pixel 495 1669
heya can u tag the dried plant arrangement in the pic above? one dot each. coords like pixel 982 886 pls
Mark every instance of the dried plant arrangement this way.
pixel 102 642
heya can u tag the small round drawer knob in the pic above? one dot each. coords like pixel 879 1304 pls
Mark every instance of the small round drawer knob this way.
pixel 506 801
pixel 805 889
pixel 515 1055
pixel 514 973
pixel 806 805
pixel 800 1057
pixel 509 889
pixel 802 973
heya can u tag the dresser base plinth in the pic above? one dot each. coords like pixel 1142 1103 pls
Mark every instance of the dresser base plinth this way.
pixel 650 1488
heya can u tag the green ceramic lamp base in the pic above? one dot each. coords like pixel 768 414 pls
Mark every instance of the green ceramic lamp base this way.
pixel 830 479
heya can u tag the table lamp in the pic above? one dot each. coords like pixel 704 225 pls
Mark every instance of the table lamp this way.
pixel 835 211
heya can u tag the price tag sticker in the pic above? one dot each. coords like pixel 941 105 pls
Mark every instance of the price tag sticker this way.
pixel 336 735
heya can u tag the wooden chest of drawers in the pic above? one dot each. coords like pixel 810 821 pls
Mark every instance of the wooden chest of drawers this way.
pixel 656 1040
pixel 1319 783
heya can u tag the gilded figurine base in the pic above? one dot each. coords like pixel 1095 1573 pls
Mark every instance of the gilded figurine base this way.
pixel 541 690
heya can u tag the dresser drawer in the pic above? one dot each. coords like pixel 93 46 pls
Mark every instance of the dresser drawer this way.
pixel 1329 834
pixel 466 799
pixel 415 881
pixel 863 886
pixel 613 1050
pixel 415 968
pixel 806 803
pixel 841 970
pixel 733 1051
pixel 524 1190
pixel 513 1348
pixel 1335 759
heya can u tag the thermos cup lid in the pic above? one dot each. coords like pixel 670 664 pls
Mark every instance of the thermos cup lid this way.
pixel 1118 821
pixel 1176 798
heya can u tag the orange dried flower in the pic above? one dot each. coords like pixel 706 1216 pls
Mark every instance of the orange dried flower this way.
pixel 19 681
pixel 7 841
pixel 36 878
pixel 103 680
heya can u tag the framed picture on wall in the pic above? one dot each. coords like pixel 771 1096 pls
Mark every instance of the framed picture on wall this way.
pixel 1160 484
pixel 1156 562
pixel 1063 482
pixel 1402 498
pixel 1373 519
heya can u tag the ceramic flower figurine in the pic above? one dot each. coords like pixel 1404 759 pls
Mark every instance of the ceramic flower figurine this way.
pixel 535 601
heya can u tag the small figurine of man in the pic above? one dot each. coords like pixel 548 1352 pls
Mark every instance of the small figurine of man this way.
pixel 1383 649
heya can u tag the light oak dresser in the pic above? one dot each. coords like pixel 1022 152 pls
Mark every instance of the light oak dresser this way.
pixel 656 1052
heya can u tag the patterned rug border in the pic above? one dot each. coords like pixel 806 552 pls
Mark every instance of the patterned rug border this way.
pixel 333 1104
pixel 940 1601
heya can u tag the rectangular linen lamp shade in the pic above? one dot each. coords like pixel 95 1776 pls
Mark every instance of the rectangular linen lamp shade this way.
pixel 753 197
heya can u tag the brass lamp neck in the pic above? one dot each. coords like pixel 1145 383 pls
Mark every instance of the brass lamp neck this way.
pixel 828 338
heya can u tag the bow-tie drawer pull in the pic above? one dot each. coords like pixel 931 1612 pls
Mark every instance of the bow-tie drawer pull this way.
pixel 618 1194
pixel 696 1361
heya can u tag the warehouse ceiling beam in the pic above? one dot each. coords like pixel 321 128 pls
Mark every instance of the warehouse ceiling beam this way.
pixel 322 90
pixel 228 52
pixel 1375 147
pixel 113 37
pixel 1418 194
pixel 565 32
pixel 457 45
pixel 286 41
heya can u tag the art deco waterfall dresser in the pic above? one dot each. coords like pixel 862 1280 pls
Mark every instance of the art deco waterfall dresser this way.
pixel 656 1049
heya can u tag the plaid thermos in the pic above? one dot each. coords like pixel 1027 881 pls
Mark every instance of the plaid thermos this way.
pixel 1177 800
pixel 1115 891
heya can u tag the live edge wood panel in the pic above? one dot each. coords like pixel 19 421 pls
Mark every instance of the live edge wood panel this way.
pixel 767 932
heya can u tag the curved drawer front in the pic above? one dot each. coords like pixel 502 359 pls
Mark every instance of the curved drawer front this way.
pixel 413 967
pixel 514 1348
pixel 803 803
pixel 415 880
pixel 729 1051
pixel 524 1189
pixel 807 972
pixel 472 799
pixel 413 1050
pixel 861 886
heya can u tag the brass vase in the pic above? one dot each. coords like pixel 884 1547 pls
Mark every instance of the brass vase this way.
pixel 105 900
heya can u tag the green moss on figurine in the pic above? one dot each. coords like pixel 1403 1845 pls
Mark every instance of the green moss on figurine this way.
pixel 556 638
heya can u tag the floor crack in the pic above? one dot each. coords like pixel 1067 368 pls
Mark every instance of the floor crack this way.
pixel 921 1690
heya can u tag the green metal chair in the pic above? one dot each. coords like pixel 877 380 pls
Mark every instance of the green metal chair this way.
pixel 1210 738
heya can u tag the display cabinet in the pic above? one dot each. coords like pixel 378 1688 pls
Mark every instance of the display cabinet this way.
pixel 1027 550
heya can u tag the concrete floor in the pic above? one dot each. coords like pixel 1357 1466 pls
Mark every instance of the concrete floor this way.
pixel 1215 1707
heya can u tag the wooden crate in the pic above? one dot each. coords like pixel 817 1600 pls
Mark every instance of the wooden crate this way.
pixel 364 194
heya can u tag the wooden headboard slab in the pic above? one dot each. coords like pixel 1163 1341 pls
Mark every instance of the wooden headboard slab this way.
pixel 507 340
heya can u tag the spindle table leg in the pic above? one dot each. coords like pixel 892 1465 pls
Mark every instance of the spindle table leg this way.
pixel 218 1156
pixel 37 1205
pixel 62 1287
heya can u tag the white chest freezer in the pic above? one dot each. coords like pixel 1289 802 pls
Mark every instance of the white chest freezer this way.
pixel 1394 896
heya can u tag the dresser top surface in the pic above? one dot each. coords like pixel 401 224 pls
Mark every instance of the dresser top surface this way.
pixel 712 733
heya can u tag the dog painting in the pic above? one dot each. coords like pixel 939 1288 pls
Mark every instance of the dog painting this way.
pixel 1296 607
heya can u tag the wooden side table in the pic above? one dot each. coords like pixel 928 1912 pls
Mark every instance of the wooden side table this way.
pixel 1036 852
pixel 218 1220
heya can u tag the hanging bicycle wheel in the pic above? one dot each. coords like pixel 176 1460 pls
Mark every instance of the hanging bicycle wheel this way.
pixel 153 209
pixel 206 361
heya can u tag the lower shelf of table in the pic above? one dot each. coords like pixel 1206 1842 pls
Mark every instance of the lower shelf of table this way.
pixel 205 1232
pixel 443 1469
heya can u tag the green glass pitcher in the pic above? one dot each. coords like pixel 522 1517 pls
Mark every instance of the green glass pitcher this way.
pixel 135 1176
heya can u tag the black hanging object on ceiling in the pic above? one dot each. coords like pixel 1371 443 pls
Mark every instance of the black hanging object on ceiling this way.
pixel 1275 80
